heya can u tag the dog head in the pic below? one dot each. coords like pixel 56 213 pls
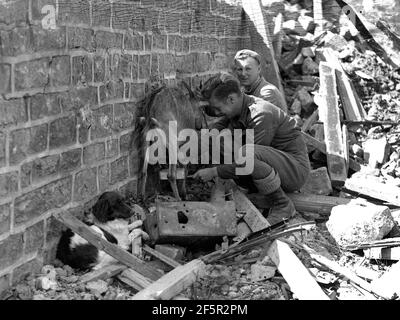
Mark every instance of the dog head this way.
pixel 111 206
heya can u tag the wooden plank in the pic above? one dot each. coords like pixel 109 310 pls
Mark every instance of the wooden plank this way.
pixel 104 273
pixel 112 249
pixel 383 253
pixel 373 187
pixel 134 279
pixel 346 149
pixel 253 217
pixel 310 121
pixel 320 146
pixel 254 10
pixel 318 16
pixel 162 257
pixel 173 282
pixel 301 282
pixel 278 34
pixel 328 103
pixel 305 202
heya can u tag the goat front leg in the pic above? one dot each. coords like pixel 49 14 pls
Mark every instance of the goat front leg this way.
pixel 172 180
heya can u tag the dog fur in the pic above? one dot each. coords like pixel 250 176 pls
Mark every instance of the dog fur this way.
pixel 110 219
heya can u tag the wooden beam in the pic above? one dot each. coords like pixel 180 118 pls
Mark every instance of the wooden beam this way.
pixel 254 10
pixel 162 257
pixel 301 282
pixel 346 148
pixel 373 187
pixel 104 273
pixel 310 121
pixel 112 249
pixel 318 16
pixel 253 217
pixel 328 104
pixel 305 202
pixel 173 282
pixel 278 33
pixel 134 279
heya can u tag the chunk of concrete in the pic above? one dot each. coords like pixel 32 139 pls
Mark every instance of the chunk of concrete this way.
pixel 174 252
pixel 376 151
pixel 306 22
pixel 358 222
pixel 293 27
pixel 261 272
pixel 318 182
pixel 309 66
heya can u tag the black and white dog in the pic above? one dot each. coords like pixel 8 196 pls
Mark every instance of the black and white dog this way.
pixel 111 220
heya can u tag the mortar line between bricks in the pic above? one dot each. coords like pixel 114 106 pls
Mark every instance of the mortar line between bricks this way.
pixel 32 92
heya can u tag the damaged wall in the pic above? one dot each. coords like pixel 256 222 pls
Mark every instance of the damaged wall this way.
pixel 71 73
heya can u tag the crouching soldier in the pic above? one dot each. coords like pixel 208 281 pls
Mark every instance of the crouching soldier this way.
pixel 281 161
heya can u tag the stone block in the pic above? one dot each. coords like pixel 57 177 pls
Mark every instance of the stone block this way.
pixel 144 66
pixel 27 141
pixel 260 272
pixel 104 177
pixel 119 170
pixel 107 40
pixel 60 71
pixel 44 105
pixel 70 160
pixel 172 21
pixel 74 12
pixel 5 211
pixel 125 142
pixel 318 182
pixel 44 40
pixel 63 132
pixel 102 122
pixel 112 148
pixel 376 151
pixel 31 74
pixel 124 114
pixel 5 78
pixel 81 69
pixel 99 68
pixel 51 196
pixel 2 149
pixel 133 42
pixel 8 183
pixel 14 12
pixel 137 91
pixel 112 90
pixel 11 249
pixel 45 167
pixel 126 66
pixel 79 38
pixel 359 221
pixel 93 153
pixel 34 238
pixel 17 41
pixel 85 186
pixel 121 15
pixel 12 112
pixel 159 41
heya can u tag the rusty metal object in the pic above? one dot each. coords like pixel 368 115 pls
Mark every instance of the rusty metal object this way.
pixel 188 221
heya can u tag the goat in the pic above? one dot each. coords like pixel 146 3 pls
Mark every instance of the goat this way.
pixel 155 111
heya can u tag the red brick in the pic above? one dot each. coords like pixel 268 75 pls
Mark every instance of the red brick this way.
pixel 104 177
pixel 112 90
pixel 101 13
pixel 45 40
pixel 62 132
pixel 133 42
pixel 51 196
pixel 83 134
pixel 78 98
pixel 124 114
pixel 126 66
pixel 148 40
pixel 81 70
pixel 11 250
pixel 4 285
pixel 99 68
pixel 5 212
pixel 175 43
pixel 45 167
pixel 169 63
pixel 105 40
pixel 115 66
pixel 119 170
pixel 144 66
pixel 85 186
pixel 79 38
pixel 102 122
pixel 93 153
pixel 154 65
pixel 5 78
pixel 159 41
pixel 70 160
pixel 60 73
pixel 14 12
pixel 34 237
pixel 111 148
pixel 44 105
pixel 8 183
pixel 29 268
pixel 31 74
pixel 74 12
pixel 28 141
pixel 135 67
pixel 13 111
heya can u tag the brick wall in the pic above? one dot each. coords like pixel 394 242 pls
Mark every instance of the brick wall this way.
pixel 68 96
